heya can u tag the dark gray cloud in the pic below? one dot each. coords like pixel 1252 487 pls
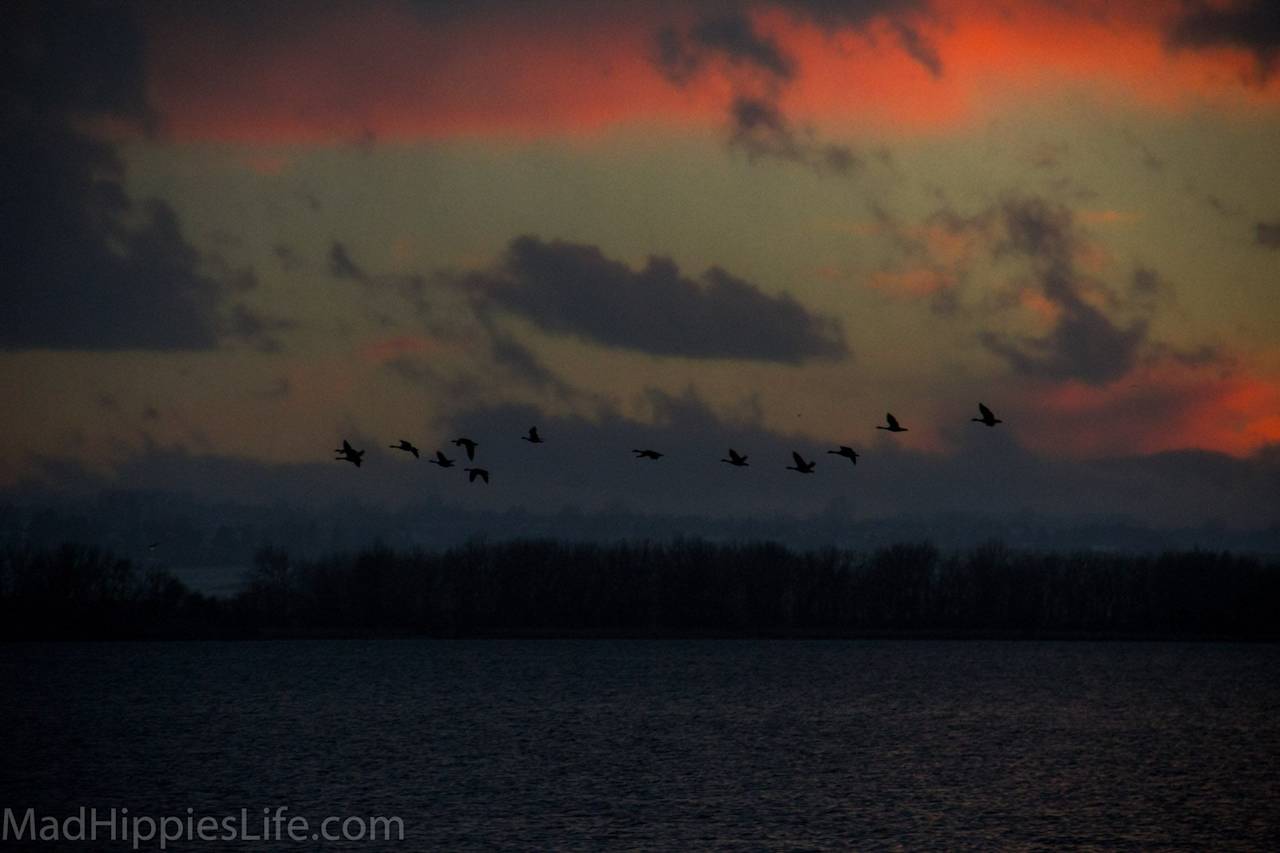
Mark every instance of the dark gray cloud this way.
pixel 89 267
pixel 1084 343
pixel 859 14
pixel 573 288
pixel 1149 287
pixel 410 287
pixel 757 125
pixel 759 129
pixel 1267 234
pixel 1251 25
pixel 675 58
pixel 732 36
pixel 342 266
pixel 919 48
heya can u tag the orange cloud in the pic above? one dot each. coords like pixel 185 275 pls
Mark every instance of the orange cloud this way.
pixel 915 282
pixel 386 70
pixel 1043 308
pixel 1108 217
pixel 1157 408
pixel 388 349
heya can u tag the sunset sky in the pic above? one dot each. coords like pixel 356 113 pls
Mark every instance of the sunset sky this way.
pixel 240 232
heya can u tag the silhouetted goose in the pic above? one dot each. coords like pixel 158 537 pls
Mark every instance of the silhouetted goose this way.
pixel 533 437
pixel 472 473
pixel 347 453
pixel 647 454
pixel 987 418
pixel 406 447
pixel 801 466
pixel 893 424
pixel 468 444
pixel 736 458
pixel 441 460
pixel 848 453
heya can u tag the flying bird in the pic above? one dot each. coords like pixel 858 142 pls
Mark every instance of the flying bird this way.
pixel 406 447
pixel 347 453
pixel 987 417
pixel 647 454
pixel 848 453
pixel 472 473
pixel 801 466
pixel 441 460
pixel 468 444
pixel 532 437
pixel 736 459
pixel 893 424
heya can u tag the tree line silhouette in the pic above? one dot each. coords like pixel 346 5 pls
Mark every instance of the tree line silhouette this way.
pixel 677 588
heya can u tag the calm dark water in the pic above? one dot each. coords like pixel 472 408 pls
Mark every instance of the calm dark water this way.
pixel 664 745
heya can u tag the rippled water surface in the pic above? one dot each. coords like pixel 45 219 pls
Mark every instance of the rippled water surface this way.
pixel 670 745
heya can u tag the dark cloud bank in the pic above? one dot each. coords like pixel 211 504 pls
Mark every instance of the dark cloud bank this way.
pixel 89 267
pixel 584 483
pixel 572 288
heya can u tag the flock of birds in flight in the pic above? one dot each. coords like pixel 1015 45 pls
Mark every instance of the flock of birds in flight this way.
pixel 347 453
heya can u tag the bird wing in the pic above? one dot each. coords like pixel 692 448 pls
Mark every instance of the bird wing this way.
pixel 346 446
pixel 799 459
pixel 893 422
pixel 986 413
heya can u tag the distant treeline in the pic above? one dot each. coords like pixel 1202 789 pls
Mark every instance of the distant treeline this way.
pixel 679 588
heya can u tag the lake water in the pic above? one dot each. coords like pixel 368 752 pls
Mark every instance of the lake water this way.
pixel 661 745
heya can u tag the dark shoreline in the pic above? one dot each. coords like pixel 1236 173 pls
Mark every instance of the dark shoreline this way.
pixel 685 589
